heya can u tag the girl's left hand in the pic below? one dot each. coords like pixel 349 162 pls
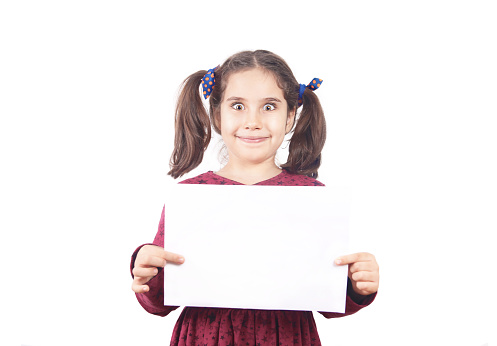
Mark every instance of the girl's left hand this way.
pixel 363 272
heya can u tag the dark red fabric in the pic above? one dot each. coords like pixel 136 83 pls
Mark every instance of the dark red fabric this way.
pixel 214 326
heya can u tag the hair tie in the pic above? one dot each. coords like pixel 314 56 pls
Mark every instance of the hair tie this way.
pixel 208 82
pixel 313 85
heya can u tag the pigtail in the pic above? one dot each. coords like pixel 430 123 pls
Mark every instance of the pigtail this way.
pixel 192 128
pixel 308 138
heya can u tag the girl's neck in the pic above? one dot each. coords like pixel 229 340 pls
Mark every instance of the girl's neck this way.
pixel 249 174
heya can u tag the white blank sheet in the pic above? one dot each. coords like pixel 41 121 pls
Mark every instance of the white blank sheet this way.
pixel 256 247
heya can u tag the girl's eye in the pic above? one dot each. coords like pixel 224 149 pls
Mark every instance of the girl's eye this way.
pixel 269 107
pixel 238 106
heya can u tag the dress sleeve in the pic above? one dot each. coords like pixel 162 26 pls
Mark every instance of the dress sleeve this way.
pixel 153 300
pixel 354 303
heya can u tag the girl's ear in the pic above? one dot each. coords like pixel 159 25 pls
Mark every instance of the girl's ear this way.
pixel 290 119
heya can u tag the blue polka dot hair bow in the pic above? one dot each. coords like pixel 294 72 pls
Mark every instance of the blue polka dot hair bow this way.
pixel 313 85
pixel 208 82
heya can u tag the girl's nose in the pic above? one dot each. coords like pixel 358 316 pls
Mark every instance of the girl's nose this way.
pixel 253 121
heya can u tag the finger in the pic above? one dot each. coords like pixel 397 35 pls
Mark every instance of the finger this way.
pixel 368 266
pixel 366 288
pixel 352 258
pixel 140 288
pixel 137 287
pixel 172 257
pixel 156 256
pixel 145 272
pixel 145 261
pixel 364 277
pixel 141 280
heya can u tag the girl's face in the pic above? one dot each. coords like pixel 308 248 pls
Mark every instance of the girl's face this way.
pixel 254 117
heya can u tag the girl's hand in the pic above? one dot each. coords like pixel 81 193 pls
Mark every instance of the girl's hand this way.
pixel 148 259
pixel 363 272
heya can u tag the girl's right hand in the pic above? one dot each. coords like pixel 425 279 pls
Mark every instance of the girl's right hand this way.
pixel 148 259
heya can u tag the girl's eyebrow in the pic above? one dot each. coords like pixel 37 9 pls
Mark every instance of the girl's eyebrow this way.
pixel 272 99
pixel 266 99
pixel 235 98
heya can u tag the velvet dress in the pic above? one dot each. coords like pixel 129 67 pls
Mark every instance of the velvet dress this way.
pixel 228 327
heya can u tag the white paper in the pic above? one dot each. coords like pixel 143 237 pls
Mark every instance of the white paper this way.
pixel 256 247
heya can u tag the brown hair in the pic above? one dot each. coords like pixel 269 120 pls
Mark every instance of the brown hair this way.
pixel 193 124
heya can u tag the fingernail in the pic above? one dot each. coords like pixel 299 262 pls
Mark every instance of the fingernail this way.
pixel 181 260
pixel 338 261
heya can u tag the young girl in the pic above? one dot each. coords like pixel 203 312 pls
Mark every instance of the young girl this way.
pixel 253 100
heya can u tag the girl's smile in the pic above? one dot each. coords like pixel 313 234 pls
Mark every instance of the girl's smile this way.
pixel 252 139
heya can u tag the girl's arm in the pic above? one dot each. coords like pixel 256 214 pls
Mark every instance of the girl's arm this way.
pixel 147 263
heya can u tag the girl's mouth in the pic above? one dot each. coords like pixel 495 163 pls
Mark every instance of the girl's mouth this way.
pixel 251 139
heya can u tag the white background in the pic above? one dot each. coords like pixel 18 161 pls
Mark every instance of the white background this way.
pixel 87 92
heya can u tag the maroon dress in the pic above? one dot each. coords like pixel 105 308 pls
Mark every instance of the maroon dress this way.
pixel 228 327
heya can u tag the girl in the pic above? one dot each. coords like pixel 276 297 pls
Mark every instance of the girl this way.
pixel 253 104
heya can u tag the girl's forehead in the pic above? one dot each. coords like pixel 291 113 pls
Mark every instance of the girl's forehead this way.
pixel 254 83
